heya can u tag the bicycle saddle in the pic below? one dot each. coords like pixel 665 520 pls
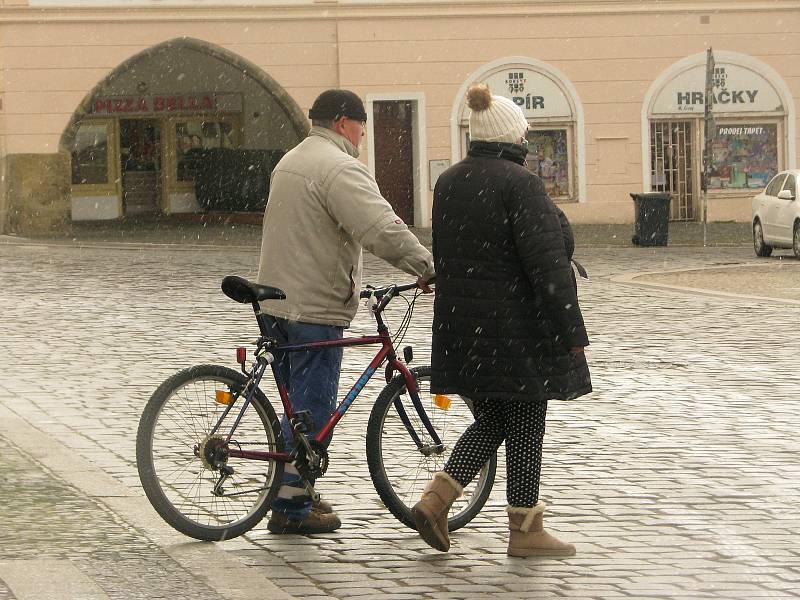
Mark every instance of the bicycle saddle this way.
pixel 241 290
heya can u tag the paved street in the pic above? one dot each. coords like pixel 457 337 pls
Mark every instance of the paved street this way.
pixel 677 478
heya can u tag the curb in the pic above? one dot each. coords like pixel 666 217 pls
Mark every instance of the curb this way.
pixel 631 279
pixel 231 579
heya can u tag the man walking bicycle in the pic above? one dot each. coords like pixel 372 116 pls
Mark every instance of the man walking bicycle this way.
pixel 324 207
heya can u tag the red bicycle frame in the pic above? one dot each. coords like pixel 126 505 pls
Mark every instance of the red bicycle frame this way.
pixel 387 351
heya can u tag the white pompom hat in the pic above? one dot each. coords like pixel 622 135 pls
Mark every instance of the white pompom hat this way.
pixel 494 118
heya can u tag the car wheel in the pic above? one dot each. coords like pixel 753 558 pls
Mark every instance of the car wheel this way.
pixel 796 239
pixel 759 246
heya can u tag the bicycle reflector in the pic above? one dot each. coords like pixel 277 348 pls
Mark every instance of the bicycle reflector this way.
pixel 442 402
pixel 241 355
pixel 223 397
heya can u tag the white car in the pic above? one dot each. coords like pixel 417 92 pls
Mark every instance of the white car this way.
pixel 776 215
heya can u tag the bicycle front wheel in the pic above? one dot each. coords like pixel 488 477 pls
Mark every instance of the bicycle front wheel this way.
pixel 400 470
pixel 180 461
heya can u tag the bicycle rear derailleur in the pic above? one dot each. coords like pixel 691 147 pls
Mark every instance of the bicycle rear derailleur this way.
pixel 213 453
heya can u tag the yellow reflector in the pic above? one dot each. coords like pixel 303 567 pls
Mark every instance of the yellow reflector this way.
pixel 442 402
pixel 224 397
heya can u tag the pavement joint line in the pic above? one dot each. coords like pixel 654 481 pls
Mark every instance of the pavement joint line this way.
pixel 631 279
pixel 125 245
pixel 231 578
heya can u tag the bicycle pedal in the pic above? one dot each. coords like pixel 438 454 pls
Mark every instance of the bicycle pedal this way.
pixel 303 420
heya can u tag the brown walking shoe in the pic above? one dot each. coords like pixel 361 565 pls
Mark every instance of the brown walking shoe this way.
pixel 314 522
pixel 322 506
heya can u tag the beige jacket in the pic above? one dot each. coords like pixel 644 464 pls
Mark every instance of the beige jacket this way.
pixel 324 206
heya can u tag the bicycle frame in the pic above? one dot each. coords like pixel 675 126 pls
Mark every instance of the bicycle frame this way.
pixel 266 356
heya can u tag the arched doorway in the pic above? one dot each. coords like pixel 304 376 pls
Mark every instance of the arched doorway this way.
pixel 151 136
pixel 556 143
pixel 754 134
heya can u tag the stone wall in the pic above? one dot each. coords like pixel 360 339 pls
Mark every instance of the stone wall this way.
pixel 35 195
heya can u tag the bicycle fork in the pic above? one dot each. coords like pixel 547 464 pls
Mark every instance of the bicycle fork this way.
pixel 437 447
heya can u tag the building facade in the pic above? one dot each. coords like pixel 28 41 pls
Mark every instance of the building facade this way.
pixel 132 103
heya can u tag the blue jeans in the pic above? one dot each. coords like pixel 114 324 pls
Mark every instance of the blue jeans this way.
pixel 312 382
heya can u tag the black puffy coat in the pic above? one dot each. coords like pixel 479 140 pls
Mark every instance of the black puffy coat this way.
pixel 506 310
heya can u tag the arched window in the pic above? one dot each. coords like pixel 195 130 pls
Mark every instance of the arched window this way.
pixel 550 103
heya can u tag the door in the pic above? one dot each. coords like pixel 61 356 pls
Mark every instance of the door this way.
pixel 784 223
pixel 140 163
pixel 671 166
pixel 394 155
pixel 771 208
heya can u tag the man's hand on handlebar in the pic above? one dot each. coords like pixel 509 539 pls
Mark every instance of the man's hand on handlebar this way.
pixel 423 285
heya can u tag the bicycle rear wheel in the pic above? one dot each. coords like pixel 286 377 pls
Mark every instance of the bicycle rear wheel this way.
pixel 174 446
pixel 400 471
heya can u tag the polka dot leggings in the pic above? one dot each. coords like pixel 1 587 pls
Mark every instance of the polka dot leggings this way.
pixel 521 425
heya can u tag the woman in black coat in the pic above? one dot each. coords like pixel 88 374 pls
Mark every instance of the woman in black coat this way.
pixel 507 330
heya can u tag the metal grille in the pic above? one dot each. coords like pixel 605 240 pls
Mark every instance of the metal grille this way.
pixel 671 165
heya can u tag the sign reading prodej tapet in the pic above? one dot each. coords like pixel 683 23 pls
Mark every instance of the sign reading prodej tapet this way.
pixel 736 89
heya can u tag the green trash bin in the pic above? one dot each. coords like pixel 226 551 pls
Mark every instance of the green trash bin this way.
pixel 651 219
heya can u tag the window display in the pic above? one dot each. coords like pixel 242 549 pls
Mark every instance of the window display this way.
pixel 192 137
pixel 90 154
pixel 548 157
pixel 744 156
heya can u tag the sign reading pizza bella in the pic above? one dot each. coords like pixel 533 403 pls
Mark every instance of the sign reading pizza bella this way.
pixel 176 103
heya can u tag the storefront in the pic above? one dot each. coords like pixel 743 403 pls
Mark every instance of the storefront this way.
pixel 753 135
pixel 109 104
pixel 137 152
pixel 555 117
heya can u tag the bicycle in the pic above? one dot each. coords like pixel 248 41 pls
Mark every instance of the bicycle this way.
pixel 210 451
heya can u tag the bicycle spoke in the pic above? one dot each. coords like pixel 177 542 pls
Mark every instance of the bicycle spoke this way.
pixel 405 469
pixel 182 425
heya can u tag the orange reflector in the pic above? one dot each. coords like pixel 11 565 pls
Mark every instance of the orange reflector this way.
pixel 442 402
pixel 224 397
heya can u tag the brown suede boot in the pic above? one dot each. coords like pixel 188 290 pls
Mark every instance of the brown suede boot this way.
pixel 430 513
pixel 527 535
pixel 313 522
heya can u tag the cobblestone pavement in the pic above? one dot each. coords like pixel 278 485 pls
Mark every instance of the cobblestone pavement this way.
pixel 677 478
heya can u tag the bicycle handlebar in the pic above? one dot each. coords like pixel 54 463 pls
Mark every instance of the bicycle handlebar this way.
pixel 380 292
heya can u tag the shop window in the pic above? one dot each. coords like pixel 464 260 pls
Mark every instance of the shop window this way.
pixel 744 156
pixel 192 137
pixel 548 157
pixel 90 154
